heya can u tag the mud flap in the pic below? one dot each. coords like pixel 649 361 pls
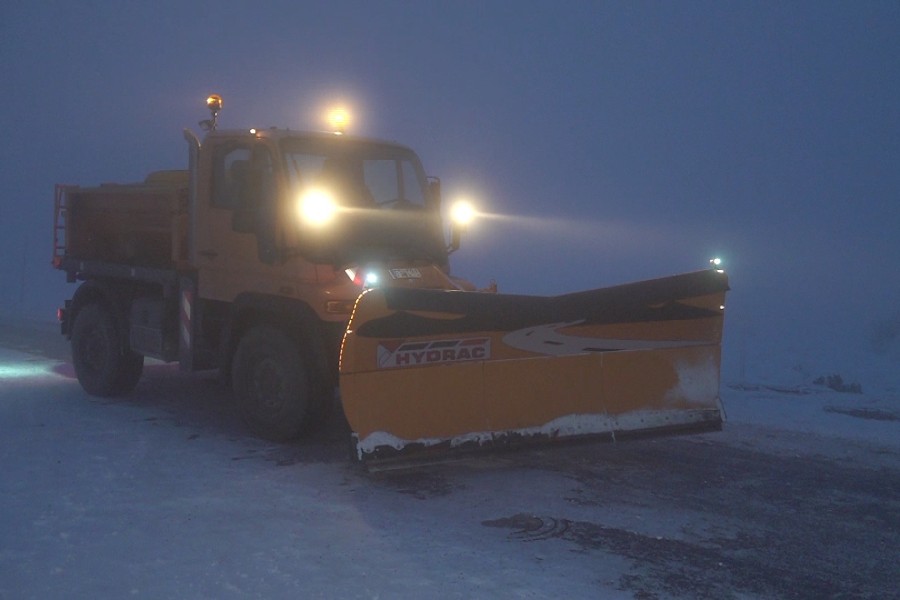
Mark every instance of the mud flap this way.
pixel 424 370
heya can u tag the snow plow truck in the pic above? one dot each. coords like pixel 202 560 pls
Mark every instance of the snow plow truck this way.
pixel 299 263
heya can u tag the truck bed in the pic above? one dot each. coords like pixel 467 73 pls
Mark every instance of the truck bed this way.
pixel 138 225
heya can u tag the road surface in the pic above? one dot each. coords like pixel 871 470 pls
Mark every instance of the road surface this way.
pixel 165 494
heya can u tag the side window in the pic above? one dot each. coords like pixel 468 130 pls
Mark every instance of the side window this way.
pixel 231 174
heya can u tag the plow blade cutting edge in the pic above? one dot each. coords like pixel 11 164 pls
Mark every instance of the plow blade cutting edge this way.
pixel 425 370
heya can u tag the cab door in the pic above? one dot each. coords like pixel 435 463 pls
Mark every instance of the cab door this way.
pixel 237 248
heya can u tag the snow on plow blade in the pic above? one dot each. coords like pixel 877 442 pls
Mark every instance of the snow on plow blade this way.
pixel 423 370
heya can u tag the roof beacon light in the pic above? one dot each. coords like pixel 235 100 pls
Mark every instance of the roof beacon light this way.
pixel 716 263
pixel 214 104
pixel 338 120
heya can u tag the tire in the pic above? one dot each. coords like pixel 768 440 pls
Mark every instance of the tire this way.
pixel 272 384
pixel 103 365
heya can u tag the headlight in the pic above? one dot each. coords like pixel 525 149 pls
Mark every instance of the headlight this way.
pixel 462 212
pixel 317 207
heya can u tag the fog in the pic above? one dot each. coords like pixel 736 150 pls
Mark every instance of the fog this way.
pixel 606 142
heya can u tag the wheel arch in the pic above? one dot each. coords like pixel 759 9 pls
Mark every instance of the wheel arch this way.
pixel 109 295
pixel 293 316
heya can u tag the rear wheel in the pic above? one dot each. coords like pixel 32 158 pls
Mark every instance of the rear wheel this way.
pixel 272 384
pixel 103 365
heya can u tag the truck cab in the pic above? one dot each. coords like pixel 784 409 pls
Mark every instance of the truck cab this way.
pixel 291 214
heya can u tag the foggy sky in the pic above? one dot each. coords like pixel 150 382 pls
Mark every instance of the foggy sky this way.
pixel 624 140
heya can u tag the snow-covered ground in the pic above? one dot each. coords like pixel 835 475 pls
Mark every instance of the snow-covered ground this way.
pixel 165 495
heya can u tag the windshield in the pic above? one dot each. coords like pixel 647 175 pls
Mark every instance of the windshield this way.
pixel 358 174
pixel 361 201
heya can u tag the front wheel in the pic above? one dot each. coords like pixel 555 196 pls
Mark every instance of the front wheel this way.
pixel 272 384
pixel 103 365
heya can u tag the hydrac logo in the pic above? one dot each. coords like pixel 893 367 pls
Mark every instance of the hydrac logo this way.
pixel 393 354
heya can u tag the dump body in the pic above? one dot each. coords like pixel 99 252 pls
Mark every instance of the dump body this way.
pixel 143 225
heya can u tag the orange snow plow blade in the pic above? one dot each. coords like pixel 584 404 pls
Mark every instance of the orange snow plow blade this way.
pixel 426 370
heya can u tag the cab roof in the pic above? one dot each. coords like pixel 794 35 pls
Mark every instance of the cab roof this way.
pixel 277 135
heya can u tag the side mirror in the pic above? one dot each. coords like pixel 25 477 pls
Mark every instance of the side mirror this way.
pixel 434 194
pixel 456 231
pixel 246 190
pixel 254 213
pixel 461 214
pixel 258 221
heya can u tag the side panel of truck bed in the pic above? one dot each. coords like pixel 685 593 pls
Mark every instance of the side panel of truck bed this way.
pixel 137 225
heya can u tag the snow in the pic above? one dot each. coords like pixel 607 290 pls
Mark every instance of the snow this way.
pixel 566 426
pixel 164 494
pixel 103 499
pixel 696 382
